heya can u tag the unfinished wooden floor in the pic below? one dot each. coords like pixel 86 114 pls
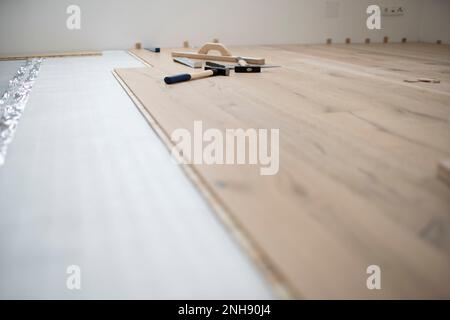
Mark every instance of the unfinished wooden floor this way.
pixel 359 150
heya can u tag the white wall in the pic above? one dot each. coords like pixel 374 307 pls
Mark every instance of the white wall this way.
pixel 435 22
pixel 34 26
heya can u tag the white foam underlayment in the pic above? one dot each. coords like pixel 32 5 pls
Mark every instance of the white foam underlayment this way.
pixel 8 70
pixel 87 182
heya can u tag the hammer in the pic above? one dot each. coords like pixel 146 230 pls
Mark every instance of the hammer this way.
pixel 209 72
pixel 239 68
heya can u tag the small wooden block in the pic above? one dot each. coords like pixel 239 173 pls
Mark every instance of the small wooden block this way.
pixel 385 39
pixel 186 44
pixel 215 40
pixel 444 171
pixel 329 41
pixel 348 41
pixel 439 42
pixel 367 41
pixel 404 40
pixel 138 45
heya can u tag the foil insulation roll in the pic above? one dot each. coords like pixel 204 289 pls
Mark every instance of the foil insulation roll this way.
pixel 13 101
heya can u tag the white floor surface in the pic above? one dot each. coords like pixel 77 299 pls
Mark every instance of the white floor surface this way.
pixel 87 182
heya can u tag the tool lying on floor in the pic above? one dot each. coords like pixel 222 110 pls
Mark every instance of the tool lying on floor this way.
pixel 210 72
pixel 188 62
pixel 153 49
pixel 203 54
pixel 239 68
pixel 427 80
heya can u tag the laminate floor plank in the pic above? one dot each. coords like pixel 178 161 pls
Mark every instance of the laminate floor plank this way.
pixel 357 184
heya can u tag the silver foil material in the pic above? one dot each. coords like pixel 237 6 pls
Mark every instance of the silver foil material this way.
pixel 13 101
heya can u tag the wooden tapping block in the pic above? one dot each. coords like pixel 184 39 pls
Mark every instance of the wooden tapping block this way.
pixel 225 55
pixel 439 42
pixel 367 41
pixel 215 46
pixel 404 40
pixel 348 41
pixel 216 40
pixel 444 171
pixel 329 41
pixel 138 46
pixel 186 44
pixel 385 39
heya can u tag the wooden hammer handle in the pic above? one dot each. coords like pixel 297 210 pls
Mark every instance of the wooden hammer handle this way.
pixel 189 76
pixel 202 74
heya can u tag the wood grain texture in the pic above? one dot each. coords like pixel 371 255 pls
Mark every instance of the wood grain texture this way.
pixel 444 171
pixel 358 150
pixel 51 55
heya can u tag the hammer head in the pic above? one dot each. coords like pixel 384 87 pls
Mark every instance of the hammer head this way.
pixel 218 69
